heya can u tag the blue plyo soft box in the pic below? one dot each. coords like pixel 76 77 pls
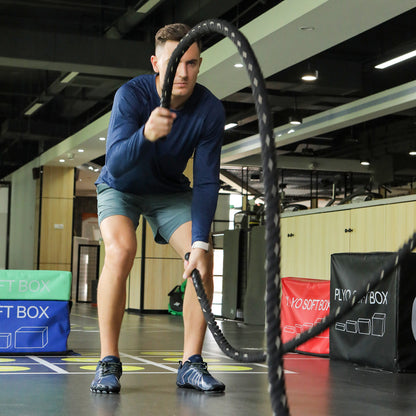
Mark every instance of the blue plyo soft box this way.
pixel 33 326
pixel 34 311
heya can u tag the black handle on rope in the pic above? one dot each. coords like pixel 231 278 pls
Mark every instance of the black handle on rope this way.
pixel 241 355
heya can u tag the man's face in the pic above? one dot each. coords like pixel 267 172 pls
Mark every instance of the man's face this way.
pixel 186 73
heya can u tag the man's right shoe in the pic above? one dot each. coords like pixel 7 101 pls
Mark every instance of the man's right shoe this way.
pixel 107 376
pixel 194 374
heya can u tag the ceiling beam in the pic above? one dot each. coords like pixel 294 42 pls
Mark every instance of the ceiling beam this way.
pixel 308 163
pixel 276 30
pixel 192 12
pixel 74 53
pixel 278 42
pixel 368 108
pixel 131 18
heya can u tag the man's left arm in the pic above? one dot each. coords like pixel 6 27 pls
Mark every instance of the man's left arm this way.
pixel 206 185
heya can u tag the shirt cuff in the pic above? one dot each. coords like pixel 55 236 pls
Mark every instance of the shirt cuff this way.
pixel 201 244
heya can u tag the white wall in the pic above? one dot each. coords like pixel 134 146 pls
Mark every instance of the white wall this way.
pixel 4 202
pixel 22 218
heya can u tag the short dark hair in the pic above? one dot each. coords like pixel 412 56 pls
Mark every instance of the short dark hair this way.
pixel 174 31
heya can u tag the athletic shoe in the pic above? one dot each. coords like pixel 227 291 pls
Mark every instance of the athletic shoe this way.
pixel 107 376
pixel 193 374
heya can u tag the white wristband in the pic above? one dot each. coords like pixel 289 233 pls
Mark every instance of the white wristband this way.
pixel 201 244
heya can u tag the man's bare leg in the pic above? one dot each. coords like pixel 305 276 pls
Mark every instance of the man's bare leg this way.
pixel 120 248
pixel 192 371
pixel 193 318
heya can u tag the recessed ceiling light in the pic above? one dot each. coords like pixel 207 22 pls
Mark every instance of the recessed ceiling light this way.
pixel 238 65
pixel 61 160
pixel 307 28
pixel 365 163
pixel 80 150
pixel 412 153
pixel 102 139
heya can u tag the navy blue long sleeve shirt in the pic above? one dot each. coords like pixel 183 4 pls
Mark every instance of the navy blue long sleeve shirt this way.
pixel 136 165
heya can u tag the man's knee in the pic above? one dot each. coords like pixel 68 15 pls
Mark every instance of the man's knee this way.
pixel 120 254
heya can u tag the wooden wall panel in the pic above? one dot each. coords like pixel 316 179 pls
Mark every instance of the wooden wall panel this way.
pixel 139 232
pixel 321 246
pixel 102 256
pixel 161 276
pixel 316 236
pixel 368 229
pixel 56 212
pixel 55 266
pixel 55 242
pixel 188 172
pixel 134 285
pixel 400 223
pixel 57 182
pixel 154 250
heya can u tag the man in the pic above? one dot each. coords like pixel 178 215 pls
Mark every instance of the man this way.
pixel 148 148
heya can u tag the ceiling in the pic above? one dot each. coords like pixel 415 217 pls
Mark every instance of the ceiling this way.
pixel 352 112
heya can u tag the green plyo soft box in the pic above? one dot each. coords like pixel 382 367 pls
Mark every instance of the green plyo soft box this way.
pixel 35 284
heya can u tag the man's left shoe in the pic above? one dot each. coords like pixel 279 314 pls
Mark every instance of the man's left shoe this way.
pixel 107 376
pixel 193 374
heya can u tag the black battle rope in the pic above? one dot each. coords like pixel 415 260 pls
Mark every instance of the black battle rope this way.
pixel 242 355
pixel 275 365
pixel 275 349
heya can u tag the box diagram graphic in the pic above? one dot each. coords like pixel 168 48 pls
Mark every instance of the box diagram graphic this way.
pixel 376 326
pixel 364 326
pixel 379 324
pixel 31 337
pixel 5 340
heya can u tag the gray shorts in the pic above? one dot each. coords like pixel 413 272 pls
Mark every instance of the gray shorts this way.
pixel 164 212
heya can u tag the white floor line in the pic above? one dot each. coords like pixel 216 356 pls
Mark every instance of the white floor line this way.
pixel 48 364
pixel 256 364
pixel 216 354
pixel 144 361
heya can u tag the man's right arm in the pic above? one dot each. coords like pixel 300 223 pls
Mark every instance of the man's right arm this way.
pixel 125 139
pixel 131 129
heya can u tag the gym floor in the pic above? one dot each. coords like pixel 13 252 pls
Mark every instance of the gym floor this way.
pixel 151 347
